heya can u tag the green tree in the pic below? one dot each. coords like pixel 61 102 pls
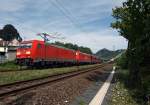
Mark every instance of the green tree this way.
pixel 122 61
pixel 8 33
pixel 74 47
pixel 85 50
pixel 132 22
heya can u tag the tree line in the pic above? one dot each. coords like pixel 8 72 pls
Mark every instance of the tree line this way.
pixel 74 47
pixel 132 20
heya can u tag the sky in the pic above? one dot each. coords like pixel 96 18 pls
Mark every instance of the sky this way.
pixel 81 22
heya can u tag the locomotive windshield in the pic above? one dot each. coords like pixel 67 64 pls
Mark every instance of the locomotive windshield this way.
pixel 25 45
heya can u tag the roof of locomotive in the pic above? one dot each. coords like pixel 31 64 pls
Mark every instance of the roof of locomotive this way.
pixel 60 46
pixel 30 41
pixel 42 42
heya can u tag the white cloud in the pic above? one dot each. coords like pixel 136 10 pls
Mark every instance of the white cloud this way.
pixel 99 40
pixel 11 5
pixel 33 16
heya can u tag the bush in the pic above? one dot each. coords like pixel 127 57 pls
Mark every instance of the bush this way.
pixel 122 61
pixel 9 65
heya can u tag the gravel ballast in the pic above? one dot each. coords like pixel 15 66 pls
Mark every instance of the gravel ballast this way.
pixel 66 92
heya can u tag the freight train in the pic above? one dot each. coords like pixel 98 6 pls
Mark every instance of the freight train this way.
pixel 39 53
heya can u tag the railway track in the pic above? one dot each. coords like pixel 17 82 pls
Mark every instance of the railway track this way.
pixel 17 87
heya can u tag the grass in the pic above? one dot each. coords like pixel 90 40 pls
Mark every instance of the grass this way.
pixel 82 102
pixel 121 95
pixel 10 65
pixel 14 76
pixel 129 96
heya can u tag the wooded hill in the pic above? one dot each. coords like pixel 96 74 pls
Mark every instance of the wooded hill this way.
pixel 106 54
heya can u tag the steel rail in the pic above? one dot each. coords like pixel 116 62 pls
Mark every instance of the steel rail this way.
pixel 8 89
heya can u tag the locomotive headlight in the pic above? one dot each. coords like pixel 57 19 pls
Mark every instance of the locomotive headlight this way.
pixel 28 52
pixel 18 53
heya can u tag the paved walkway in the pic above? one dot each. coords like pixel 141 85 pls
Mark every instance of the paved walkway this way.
pixel 98 99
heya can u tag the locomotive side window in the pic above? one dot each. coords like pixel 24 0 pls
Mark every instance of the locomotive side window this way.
pixel 39 46
pixel 26 45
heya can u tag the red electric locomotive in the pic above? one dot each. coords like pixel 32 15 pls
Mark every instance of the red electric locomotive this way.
pixel 39 53
pixel 83 58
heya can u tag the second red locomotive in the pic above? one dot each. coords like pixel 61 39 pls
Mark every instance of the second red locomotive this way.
pixel 39 53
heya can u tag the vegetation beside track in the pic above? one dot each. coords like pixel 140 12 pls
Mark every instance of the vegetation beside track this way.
pixel 132 20
pixel 10 65
pixel 122 90
pixel 14 76
pixel 121 94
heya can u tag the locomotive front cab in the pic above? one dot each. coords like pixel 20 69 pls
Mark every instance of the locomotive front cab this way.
pixel 23 55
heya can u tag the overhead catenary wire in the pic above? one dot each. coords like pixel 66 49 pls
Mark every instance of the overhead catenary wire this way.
pixel 67 11
pixel 37 32
pixel 22 26
pixel 59 5
pixel 67 14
